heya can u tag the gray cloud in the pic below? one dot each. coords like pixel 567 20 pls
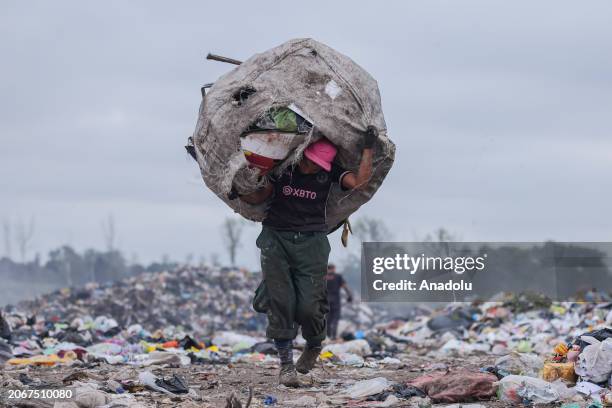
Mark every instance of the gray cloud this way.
pixel 500 111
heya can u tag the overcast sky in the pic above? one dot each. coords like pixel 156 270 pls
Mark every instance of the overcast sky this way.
pixel 501 113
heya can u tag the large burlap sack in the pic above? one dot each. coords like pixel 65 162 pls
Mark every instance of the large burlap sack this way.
pixel 329 89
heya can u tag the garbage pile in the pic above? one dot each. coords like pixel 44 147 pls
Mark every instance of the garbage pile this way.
pixel 129 321
pixel 193 299
pixel 190 336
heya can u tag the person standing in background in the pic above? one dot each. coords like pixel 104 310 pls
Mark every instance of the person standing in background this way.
pixel 335 281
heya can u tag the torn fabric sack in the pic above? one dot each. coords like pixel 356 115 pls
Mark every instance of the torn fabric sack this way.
pixel 259 117
pixel 456 386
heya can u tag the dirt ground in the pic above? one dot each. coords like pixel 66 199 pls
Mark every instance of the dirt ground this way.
pixel 213 384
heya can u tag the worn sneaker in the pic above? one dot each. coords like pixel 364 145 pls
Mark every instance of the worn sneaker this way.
pixel 307 360
pixel 288 376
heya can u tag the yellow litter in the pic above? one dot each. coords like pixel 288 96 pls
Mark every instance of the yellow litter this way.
pixel 49 360
pixel 554 371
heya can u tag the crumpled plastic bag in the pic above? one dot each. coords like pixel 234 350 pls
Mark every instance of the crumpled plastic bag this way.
pixel 231 339
pixel 595 362
pixel 350 359
pixel 456 386
pixel 365 388
pixel 87 397
pixel 519 364
pixel 360 347
pixel 516 389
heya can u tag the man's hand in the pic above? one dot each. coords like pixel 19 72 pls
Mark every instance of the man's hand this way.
pixel 371 134
pixel 257 196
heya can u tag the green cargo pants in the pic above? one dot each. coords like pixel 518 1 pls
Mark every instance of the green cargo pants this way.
pixel 293 292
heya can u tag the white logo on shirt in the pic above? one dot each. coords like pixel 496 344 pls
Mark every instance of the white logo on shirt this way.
pixel 299 192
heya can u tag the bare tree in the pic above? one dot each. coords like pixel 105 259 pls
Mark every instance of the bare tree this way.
pixel 372 230
pixel 438 243
pixel 6 229
pixel 24 232
pixel 108 229
pixel 231 231
pixel 441 235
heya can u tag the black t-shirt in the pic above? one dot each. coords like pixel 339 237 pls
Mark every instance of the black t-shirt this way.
pixel 300 200
pixel 334 283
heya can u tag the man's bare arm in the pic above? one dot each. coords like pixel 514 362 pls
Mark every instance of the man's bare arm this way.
pixel 258 196
pixel 359 181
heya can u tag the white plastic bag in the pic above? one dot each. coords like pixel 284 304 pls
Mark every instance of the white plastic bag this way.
pixel 228 338
pixel 147 379
pixel 520 364
pixel 359 347
pixel 515 388
pixel 595 362
pixel 367 387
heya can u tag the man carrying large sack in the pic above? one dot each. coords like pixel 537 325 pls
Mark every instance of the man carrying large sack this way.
pixel 295 250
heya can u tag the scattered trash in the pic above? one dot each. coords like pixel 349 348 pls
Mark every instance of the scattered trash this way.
pixel 105 348
pixel 270 400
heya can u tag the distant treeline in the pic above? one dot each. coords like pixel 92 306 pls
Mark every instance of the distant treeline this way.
pixel 67 267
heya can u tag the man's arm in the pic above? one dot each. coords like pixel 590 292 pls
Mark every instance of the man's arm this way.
pixel 258 196
pixel 360 180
